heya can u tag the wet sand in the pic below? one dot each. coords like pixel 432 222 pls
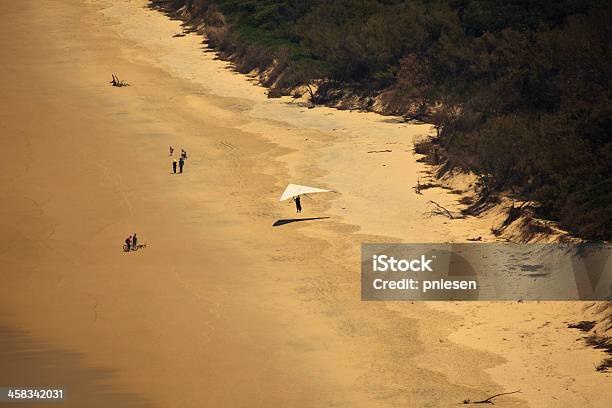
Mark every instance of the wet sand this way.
pixel 221 308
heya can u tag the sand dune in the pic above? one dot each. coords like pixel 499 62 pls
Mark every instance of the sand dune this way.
pixel 222 308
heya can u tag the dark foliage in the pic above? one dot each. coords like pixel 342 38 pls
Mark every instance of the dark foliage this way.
pixel 519 90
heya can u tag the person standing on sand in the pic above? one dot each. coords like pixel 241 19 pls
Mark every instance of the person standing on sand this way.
pixel 174 166
pixel 134 242
pixel 298 204
pixel 171 151
pixel 128 242
pixel 183 154
pixel 181 164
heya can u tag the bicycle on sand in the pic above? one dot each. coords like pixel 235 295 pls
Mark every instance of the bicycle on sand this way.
pixel 127 248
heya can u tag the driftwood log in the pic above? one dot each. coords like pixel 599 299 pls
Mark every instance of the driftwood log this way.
pixel 417 188
pixel 117 82
pixel 490 399
pixel 439 210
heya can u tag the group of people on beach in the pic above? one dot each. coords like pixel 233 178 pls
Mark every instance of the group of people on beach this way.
pixel 131 243
pixel 180 162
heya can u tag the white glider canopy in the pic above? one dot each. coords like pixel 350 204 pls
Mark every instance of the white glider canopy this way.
pixel 293 190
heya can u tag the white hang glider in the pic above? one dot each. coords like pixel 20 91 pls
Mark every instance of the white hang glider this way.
pixel 293 190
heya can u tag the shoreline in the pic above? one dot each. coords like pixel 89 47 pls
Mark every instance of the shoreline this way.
pixel 174 317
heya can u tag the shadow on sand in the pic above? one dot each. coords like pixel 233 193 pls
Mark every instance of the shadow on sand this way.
pixel 278 223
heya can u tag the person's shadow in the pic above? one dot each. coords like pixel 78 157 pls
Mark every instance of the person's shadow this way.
pixel 278 223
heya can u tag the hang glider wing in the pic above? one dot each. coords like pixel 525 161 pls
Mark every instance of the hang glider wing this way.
pixel 293 190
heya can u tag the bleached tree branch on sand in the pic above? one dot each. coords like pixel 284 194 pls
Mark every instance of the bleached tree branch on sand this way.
pixel 417 188
pixel 439 210
pixel 118 83
pixel 490 399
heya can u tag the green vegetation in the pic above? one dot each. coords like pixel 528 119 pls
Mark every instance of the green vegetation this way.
pixel 519 89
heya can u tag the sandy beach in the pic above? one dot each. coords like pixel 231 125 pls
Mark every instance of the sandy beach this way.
pixel 223 309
